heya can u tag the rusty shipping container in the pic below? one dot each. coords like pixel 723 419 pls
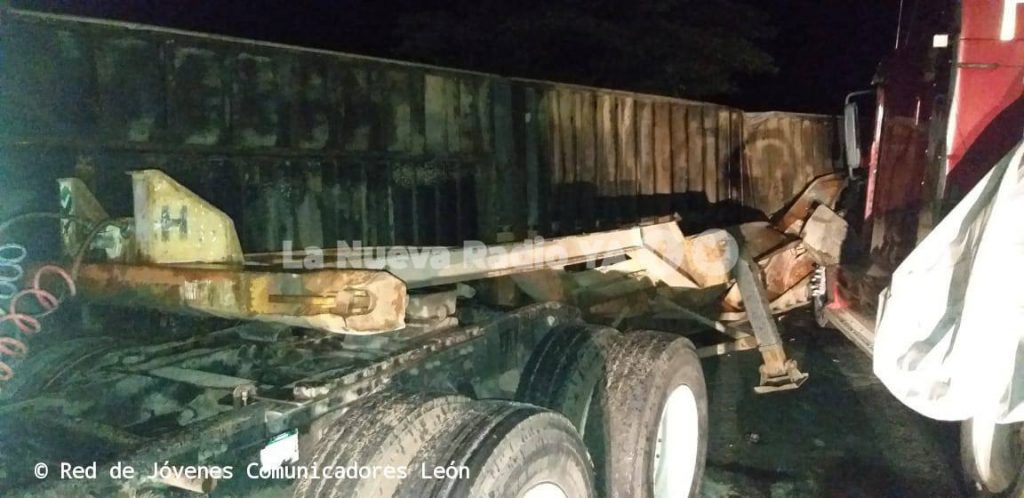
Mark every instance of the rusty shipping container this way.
pixel 315 146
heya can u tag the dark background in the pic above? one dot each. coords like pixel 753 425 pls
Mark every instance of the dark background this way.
pixel 791 55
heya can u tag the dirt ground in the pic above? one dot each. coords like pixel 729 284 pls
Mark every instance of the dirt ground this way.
pixel 840 435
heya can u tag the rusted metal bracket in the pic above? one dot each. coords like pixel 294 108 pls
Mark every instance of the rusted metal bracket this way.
pixel 182 254
pixel 78 203
pixel 174 225
pixel 778 373
pixel 340 301
pixel 170 224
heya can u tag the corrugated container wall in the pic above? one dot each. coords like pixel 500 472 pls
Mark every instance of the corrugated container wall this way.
pixel 314 146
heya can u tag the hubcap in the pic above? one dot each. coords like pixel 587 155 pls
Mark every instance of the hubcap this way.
pixel 545 490
pixel 677 448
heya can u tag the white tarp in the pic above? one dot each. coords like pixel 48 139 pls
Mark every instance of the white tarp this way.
pixel 950 336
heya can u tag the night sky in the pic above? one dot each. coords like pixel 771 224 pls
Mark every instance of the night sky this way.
pixel 822 49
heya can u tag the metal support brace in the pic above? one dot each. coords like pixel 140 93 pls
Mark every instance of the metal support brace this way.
pixel 778 373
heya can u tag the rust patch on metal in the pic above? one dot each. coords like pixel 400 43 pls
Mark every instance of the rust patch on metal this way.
pixel 782 270
pixel 341 301
pixel 824 190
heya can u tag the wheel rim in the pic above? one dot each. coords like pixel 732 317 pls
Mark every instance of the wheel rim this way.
pixel 997 453
pixel 545 490
pixel 677 447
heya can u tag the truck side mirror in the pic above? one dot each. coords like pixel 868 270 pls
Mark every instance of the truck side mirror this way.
pixel 851 136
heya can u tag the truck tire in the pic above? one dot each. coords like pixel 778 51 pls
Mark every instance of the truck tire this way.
pixel 564 370
pixel 503 449
pixel 653 409
pixel 993 457
pixel 383 432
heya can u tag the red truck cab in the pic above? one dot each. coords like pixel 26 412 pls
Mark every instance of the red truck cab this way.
pixel 948 107
pixel 948 104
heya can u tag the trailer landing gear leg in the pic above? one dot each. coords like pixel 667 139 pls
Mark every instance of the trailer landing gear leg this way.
pixel 778 373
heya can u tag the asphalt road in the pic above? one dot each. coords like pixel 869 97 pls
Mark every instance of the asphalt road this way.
pixel 840 435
